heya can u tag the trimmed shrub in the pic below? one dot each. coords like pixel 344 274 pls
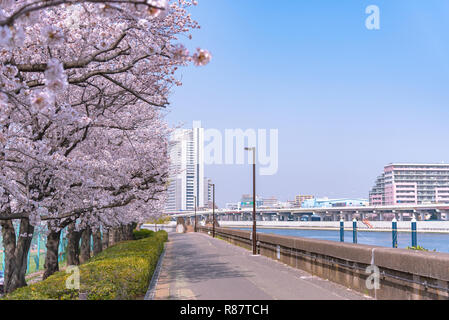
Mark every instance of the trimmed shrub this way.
pixel 121 272
pixel 142 234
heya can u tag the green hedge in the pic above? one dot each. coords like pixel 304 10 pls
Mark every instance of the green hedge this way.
pixel 142 234
pixel 121 272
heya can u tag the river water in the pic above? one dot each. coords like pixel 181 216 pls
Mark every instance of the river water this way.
pixel 431 241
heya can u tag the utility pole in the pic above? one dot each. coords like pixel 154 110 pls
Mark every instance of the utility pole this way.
pixel 213 210
pixel 254 199
pixel 195 213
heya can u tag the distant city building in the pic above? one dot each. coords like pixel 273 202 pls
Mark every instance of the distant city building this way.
pixel 411 184
pixel 299 199
pixel 247 201
pixel 287 204
pixel 272 202
pixel 208 193
pixel 332 203
pixel 377 194
pixel 233 206
pixel 186 178
pixel 291 203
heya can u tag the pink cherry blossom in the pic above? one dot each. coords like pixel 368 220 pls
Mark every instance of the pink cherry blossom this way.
pixel 81 107
pixel 83 86
pixel 52 36
pixel 5 36
pixel 202 57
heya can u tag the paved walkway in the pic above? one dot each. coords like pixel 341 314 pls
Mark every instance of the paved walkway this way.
pixel 198 267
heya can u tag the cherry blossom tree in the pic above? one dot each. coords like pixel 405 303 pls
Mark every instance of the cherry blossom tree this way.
pixel 83 142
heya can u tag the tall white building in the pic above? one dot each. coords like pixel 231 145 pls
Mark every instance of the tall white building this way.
pixel 208 193
pixel 186 170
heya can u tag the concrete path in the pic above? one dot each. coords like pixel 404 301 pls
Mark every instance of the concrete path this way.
pixel 198 267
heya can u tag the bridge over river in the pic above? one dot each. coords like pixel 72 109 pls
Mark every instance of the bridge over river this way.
pixel 373 213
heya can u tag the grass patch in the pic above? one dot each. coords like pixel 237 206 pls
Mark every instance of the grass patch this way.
pixel 121 272
pixel 419 248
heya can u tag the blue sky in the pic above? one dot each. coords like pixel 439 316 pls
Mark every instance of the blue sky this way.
pixel 346 100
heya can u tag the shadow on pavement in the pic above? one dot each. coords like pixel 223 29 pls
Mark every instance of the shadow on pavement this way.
pixel 195 266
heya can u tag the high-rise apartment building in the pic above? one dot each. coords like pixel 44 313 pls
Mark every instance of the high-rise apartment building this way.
pixel 411 184
pixel 186 170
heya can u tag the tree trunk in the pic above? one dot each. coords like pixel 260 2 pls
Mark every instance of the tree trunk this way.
pixel 85 245
pixel 125 232
pixel 111 237
pixel 115 235
pixel 97 242
pixel 129 231
pixel 16 253
pixel 9 245
pixel 51 258
pixel 105 240
pixel 23 247
pixel 121 232
pixel 73 245
pixel 132 227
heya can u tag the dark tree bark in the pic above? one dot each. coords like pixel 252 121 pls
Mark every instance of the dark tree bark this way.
pixel 122 233
pixel 105 240
pixel 73 245
pixel 23 247
pixel 97 242
pixel 85 245
pixel 16 253
pixel 9 245
pixel 128 231
pixel 115 235
pixel 51 258
pixel 118 234
pixel 133 227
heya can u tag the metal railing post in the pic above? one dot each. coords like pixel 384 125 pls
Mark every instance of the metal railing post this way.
pixel 414 233
pixel 395 233
pixel 342 230
pixel 354 230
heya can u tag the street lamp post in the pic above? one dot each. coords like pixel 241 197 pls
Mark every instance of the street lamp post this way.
pixel 253 149
pixel 194 197
pixel 213 210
